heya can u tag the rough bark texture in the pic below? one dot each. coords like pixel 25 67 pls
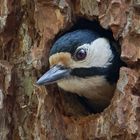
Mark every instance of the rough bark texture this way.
pixel 30 112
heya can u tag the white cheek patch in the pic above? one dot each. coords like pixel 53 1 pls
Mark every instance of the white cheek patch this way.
pixel 99 54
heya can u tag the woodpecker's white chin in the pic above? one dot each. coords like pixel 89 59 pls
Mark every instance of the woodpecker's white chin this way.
pixel 94 88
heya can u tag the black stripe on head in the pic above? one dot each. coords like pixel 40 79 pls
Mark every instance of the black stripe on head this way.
pixel 70 41
pixel 88 72
pixel 111 73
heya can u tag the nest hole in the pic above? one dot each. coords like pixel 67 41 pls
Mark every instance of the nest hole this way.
pixel 71 104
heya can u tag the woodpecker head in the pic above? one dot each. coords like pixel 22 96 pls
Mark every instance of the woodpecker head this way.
pixel 85 61
pixel 81 53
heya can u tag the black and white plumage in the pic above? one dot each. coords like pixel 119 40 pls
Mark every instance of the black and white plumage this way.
pixel 84 61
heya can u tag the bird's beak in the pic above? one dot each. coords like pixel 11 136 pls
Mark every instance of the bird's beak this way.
pixel 55 73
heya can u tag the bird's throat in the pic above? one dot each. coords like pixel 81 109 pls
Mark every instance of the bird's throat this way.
pixel 94 88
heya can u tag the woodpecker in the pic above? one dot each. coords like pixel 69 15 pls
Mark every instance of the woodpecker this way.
pixel 84 62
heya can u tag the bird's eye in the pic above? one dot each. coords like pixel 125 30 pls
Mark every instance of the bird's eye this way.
pixel 80 54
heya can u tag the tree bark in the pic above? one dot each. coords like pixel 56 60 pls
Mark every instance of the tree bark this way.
pixel 31 112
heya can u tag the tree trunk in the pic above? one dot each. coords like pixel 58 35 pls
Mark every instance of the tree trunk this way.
pixel 31 112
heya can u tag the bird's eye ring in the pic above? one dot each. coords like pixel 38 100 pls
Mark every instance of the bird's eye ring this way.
pixel 80 54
